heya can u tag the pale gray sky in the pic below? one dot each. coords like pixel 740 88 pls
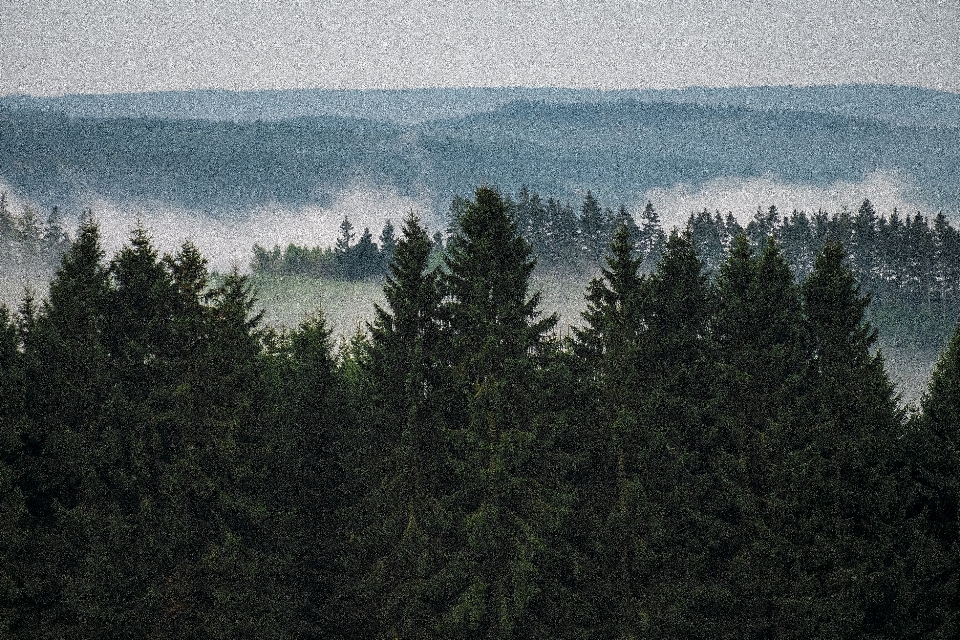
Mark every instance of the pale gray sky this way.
pixel 98 46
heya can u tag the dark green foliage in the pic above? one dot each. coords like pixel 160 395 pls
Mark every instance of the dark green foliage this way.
pixel 604 520
pixel 761 355
pixel 709 457
pixel 613 303
pixel 935 468
pixel 65 368
pixel 853 463
pixel 503 511
pixel 405 537
pixel 304 483
pixel 13 515
pixel 675 471
pixel 142 454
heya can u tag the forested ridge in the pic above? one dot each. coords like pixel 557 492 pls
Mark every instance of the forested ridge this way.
pixel 707 456
pixel 239 153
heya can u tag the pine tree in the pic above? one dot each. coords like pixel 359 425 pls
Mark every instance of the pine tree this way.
pixel 55 241
pixel 562 239
pixel 7 230
pixel 852 464
pixel 613 304
pixel 405 503
pixel 652 236
pixel 863 245
pixel 796 235
pixel 625 218
pixel 133 451
pixel 505 516
pixel 229 396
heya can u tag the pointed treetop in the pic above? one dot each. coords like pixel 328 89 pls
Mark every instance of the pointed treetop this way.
pixel 834 306
pixel 488 271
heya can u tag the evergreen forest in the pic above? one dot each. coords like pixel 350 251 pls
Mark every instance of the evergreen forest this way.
pixel 908 264
pixel 714 452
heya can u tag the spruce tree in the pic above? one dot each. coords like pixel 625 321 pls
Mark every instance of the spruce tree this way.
pixel 762 351
pixel 652 236
pixel 343 251
pixel 66 374
pixel 625 218
pixel 366 256
pixel 935 466
pixel 408 477
pixel 504 513
pixel 676 375
pixel 13 513
pixel 388 245
pixel 592 232
pixel 853 463
pixel 707 234
pixel 610 441
pixel 305 486
pixel 613 303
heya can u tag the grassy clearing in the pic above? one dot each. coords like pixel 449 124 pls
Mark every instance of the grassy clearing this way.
pixel 289 300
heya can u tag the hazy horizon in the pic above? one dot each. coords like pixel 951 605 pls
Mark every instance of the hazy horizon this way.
pixel 680 88
pixel 84 47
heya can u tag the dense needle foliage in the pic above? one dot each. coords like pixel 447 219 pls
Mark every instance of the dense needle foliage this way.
pixel 707 456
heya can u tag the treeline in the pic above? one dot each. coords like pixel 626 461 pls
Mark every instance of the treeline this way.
pixel 28 241
pixel 910 265
pixel 347 260
pixel 703 458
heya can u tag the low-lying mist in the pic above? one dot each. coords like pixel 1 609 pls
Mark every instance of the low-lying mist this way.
pixel 227 242
pixel 742 196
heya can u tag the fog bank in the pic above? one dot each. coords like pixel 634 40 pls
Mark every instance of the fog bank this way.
pixel 742 197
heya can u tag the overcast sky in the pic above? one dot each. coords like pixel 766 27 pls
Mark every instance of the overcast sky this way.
pixel 94 46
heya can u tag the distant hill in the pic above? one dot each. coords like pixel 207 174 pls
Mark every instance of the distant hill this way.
pixel 221 151
pixel 902 106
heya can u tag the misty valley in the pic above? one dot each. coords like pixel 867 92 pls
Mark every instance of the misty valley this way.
pixel 557 383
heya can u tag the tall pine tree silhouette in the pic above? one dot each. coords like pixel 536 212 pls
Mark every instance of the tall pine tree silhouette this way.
pixel 496 333
pixel 606 513
pixel 406 509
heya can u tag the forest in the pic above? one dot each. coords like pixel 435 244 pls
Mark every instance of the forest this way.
pixel 910 264
pixel 228 153
pixel 715 452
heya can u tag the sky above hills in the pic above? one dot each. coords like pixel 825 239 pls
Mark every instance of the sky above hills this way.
pixel 95 46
